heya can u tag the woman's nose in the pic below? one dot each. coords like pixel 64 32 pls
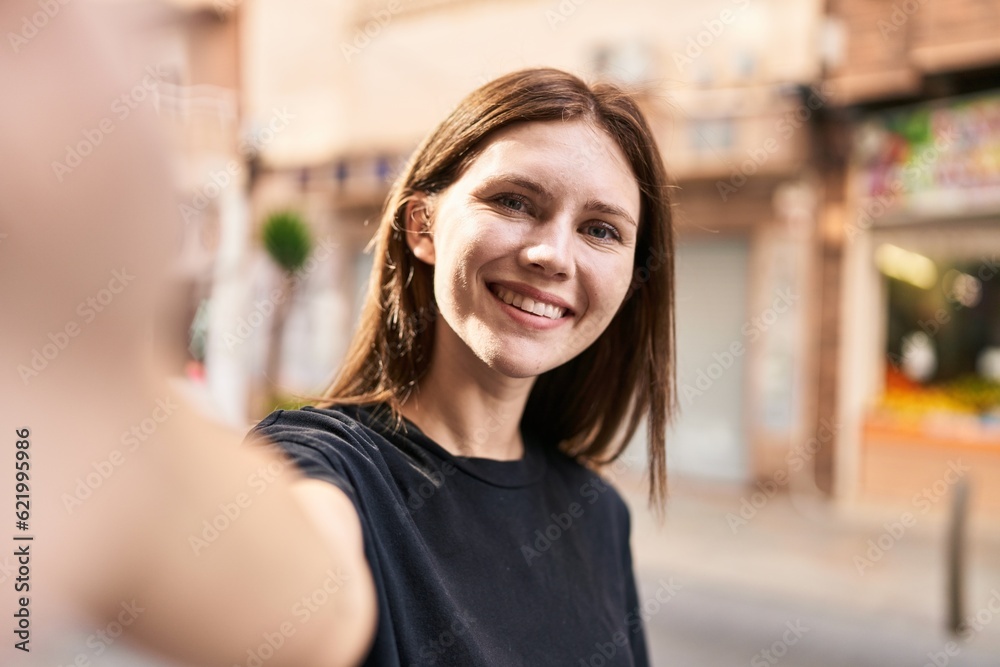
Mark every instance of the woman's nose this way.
pixel 549 248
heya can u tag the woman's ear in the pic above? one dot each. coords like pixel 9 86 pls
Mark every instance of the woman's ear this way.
pixel 419 235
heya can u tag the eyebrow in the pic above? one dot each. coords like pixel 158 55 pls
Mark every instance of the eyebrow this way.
pixel 610 209
pixel 537 188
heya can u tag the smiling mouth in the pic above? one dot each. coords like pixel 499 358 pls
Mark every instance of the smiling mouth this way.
pixel 527 304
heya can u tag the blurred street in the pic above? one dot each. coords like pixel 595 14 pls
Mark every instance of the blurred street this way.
pixel 784 589
pixel 825 283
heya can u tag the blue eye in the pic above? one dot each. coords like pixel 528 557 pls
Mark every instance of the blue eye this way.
pixel 513 202
pixel 609 232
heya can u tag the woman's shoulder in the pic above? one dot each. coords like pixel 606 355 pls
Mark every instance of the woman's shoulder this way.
pixel 338 425
pixel 335 443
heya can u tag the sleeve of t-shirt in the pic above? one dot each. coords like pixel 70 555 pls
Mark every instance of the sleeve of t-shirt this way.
pixel 317 453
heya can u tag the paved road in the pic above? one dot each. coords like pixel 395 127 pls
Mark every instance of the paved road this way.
pixel 702 627
pixel 784 589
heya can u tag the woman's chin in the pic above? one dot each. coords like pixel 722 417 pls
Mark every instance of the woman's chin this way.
pixel 521 366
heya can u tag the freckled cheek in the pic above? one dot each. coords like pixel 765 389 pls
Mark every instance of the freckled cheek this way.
pixel 486 246
pixel 607 285
pixel 460 265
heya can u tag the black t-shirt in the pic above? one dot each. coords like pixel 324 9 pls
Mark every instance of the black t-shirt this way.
pixel 477 561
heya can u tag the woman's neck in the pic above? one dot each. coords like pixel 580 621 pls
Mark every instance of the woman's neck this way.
pixel 465 406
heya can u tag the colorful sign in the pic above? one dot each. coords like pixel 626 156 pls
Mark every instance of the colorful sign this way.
pixel 937 159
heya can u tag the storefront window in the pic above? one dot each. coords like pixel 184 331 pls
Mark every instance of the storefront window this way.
pixel 942 346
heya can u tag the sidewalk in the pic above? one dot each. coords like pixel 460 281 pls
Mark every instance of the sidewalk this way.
pixel 857 561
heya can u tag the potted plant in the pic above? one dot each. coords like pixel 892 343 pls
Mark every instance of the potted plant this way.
pixel 288 241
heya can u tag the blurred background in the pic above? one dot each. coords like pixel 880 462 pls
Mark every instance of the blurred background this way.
pixel 838 214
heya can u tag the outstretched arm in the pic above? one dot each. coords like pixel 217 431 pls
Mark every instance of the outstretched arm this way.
pixel 210 551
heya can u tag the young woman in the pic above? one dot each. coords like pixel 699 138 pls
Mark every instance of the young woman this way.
pixel 518 327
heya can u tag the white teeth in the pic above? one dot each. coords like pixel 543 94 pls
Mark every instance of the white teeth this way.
pixel 529 305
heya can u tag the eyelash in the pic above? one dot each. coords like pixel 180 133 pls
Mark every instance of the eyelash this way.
pixel 510 195
pixel 524 202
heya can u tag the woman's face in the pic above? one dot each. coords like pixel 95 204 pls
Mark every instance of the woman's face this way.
pixel 545 219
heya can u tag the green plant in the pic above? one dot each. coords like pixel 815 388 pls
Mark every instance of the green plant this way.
pixel 287 240
pixel 978 393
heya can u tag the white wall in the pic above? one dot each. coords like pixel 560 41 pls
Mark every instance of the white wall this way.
pixel 350 91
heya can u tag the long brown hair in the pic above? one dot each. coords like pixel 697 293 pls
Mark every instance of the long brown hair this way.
pixel 625 375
